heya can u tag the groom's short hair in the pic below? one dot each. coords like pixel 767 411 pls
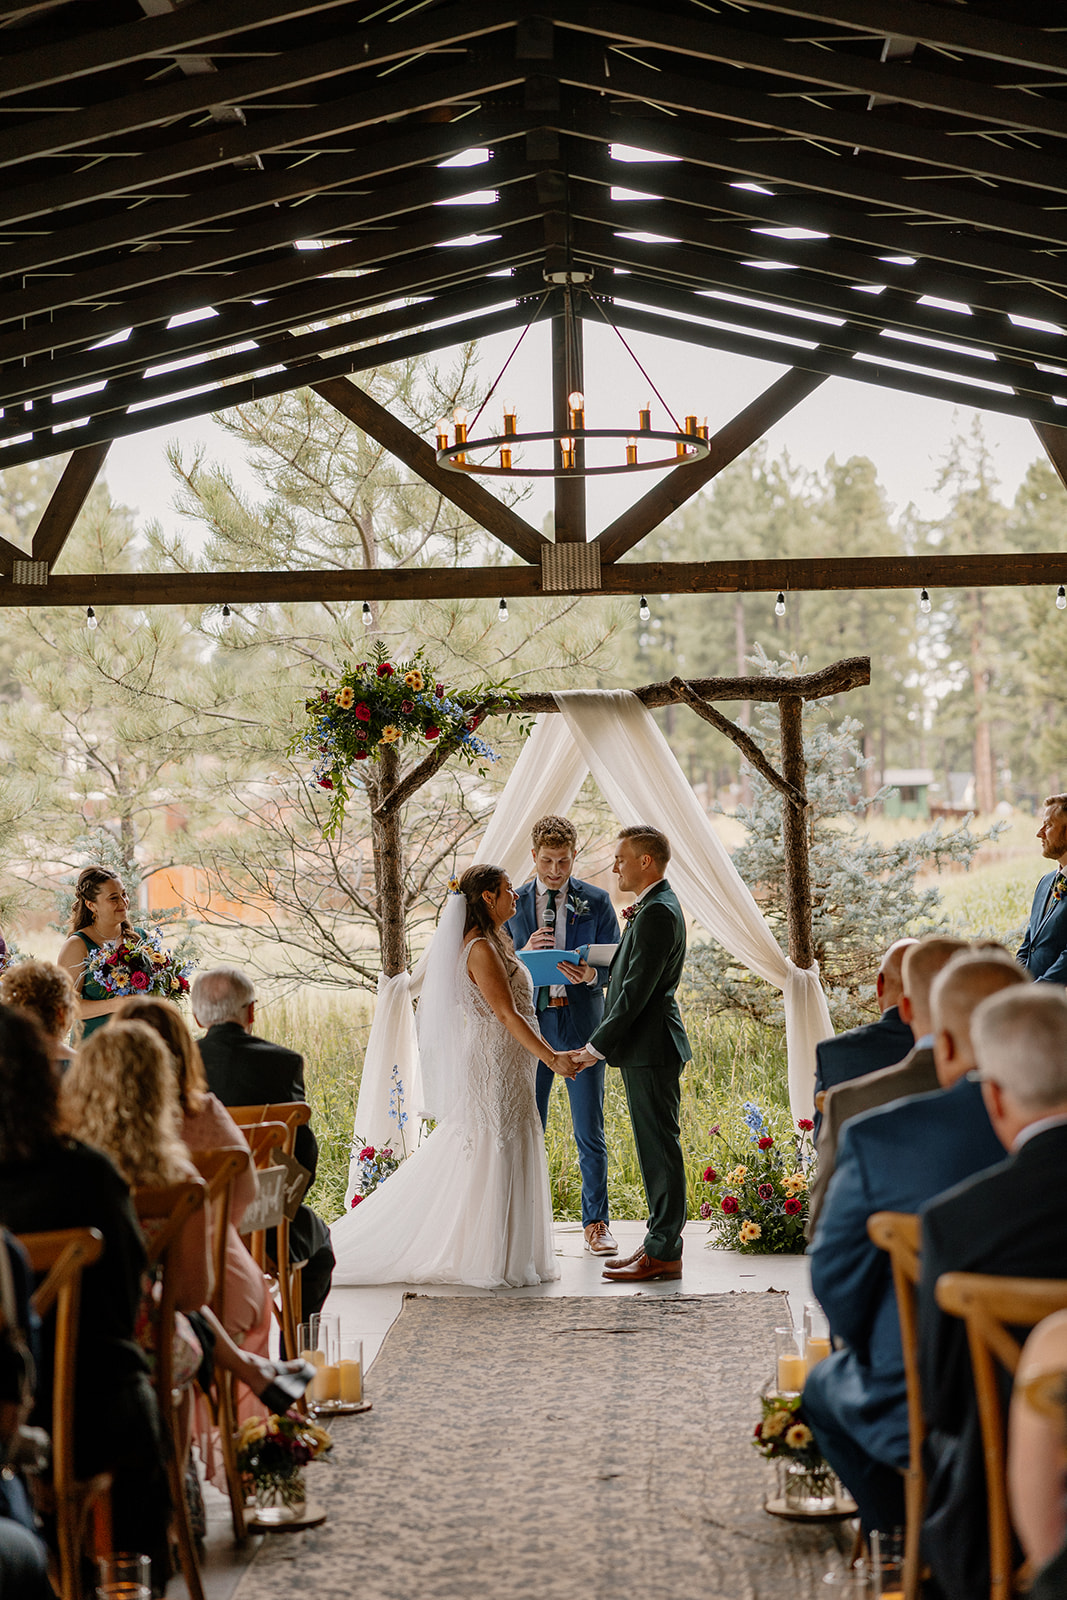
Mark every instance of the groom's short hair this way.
pixel 648 842
pixel 556 833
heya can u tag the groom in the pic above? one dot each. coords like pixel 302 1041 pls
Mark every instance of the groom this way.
pixel 556 910
pixel 642 1034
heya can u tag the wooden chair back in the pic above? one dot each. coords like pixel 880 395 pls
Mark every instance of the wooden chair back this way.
pixel 168 1210
pixel 254 1120
pixel 898 1234
pixel 62 1258
pixel 220 1170
pixel 991 1307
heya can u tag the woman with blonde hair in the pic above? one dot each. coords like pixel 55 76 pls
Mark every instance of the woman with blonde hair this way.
pixel 46 990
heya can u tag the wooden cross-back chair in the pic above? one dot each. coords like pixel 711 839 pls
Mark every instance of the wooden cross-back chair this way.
pixel 898 1233
pixel 166 1211
pixel 292 1114
pixel 220 1170
pixel 62 1258
pixel 991 1307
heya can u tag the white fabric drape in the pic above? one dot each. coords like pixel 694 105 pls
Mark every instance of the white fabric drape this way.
pixel 611 734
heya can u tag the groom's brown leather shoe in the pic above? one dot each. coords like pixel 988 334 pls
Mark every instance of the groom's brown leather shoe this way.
pixel 645 1269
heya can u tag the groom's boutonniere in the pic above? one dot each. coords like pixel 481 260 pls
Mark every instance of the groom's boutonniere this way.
pixel 577 906
pixel 630 912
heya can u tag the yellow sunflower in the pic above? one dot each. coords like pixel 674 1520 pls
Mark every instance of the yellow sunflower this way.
pixel 344 697
pixel 798 1436
pixel 414 680
pixel 389 735
pixel 749 1232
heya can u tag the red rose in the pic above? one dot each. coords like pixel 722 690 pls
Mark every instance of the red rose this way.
pixel 792 1206
pixel 765 1191
pixel 407 707
pixel 432 733
pixel 367 1153
pixel 730 1206
pixel 473 723
pixel 183 985
pixel 138 980
pixel 710 1175
pixel 357 1199
pixel 439 690
pixel 324 694
pixel 766 1142
pixel 361 755
pixel 362 667
pixel 805 1125
pixel 363 711
pixel 325 783
pixel 360 733
pixel 386 1154
pixel 113 959
pixel 384 670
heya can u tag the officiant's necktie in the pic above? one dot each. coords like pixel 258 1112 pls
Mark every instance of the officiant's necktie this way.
pixel 550 922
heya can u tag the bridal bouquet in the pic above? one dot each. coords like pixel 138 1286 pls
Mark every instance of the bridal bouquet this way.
pixel 760 1205
pixel 381 703
pixel 138 963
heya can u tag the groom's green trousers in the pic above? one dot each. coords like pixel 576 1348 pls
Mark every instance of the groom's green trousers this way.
pixel 654 1096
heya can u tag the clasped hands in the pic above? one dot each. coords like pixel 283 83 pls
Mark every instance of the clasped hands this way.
pixel 568 1063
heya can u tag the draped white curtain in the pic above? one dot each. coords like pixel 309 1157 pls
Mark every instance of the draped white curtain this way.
pixel 613 736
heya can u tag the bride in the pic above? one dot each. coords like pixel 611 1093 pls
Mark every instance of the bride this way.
pixel 472 1204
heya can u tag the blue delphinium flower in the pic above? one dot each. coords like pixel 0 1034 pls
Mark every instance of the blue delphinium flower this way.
pixel 754 1121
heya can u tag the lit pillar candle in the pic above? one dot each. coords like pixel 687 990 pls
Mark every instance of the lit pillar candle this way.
pixel 351 1374
pixel 792 1371
pixel 326 1384
pixel 817 1349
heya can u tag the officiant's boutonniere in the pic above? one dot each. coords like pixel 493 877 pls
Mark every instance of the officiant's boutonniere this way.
pixel 630 912
pixel 578 907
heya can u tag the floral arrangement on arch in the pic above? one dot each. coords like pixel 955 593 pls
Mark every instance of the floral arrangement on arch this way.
pixel 271 1451
pixel 139 963
pixel 759 1205
pixel 780 1433
pixel 379 704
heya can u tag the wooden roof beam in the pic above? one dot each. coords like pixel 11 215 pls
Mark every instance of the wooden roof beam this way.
pixel 794 576
pixel 68 497
pixel 942 27
pixel 726 445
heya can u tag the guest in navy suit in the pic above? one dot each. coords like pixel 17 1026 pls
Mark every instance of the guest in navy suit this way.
pixel 894 1158
pixel 1009 1222
pixel 557 910
pixel 1043 952
pixel 875 1044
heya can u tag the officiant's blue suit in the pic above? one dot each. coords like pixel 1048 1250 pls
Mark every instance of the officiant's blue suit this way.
pixel 568 1028
pixel 1043 952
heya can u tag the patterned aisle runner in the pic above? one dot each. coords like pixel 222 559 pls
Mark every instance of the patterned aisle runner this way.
pixel 570 1449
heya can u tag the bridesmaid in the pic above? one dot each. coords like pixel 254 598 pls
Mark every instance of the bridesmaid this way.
pixel 98 916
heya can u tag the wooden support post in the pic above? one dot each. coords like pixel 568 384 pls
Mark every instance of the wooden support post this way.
pixel 387 843
pixel 567 366
pixel 795 835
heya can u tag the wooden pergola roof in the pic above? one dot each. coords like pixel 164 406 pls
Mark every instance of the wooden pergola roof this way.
pixel 902 163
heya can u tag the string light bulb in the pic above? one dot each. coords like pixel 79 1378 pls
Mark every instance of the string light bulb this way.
pixel 1061 598
pixel 91 618
pixel 227 615
pixel 502 611
pixel 642 611
pixel 924 602
pixel 779 605
pixel 366 614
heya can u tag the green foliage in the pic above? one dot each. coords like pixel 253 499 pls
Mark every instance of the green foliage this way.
pixel 864 893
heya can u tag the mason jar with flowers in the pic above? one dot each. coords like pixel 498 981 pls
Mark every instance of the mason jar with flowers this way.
pixel 272 1453
pixel 807 1485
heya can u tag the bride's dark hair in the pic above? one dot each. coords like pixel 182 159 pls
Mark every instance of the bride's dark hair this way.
pixel 475 882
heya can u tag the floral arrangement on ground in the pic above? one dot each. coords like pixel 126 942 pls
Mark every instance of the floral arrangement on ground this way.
pixel 780 1433
pixel 379 704
pixel 272 1451
pixel 139 963
pixel 760 1205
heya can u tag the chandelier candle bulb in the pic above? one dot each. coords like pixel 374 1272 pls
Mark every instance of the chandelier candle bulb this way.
pixel 505 460
pixel 702 430
pixel 442 435
pixel 509 419
pixel 631 451
pixel 566 447
pixel 691 425
pixel 576 407
pixel 644 418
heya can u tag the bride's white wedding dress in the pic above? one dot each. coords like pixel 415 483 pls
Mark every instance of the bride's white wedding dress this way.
pixel 471 1205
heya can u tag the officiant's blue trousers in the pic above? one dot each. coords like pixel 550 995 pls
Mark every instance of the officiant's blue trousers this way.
pixel 586 1096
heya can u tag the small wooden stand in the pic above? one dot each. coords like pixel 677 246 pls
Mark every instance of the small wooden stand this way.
pixel 313 1517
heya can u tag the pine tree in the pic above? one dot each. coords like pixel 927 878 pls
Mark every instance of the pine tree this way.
pixel 864 893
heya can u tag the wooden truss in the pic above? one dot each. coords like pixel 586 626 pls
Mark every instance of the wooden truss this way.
pixel 901 165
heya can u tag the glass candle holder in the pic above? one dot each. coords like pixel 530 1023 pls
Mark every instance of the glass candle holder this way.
pixel 791 1368
pixel 351 1370
pixel 124 1576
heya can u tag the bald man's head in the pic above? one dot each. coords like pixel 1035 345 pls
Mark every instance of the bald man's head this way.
pixel 957 991
pixel 888 985
pixel 921 965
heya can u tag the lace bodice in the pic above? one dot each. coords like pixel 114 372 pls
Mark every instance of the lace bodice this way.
pixel 500 1072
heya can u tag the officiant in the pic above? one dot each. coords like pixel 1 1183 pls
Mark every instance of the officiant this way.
pixel 557 910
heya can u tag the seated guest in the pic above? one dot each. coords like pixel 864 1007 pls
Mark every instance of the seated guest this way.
pixel 1009 1221
pixel 875 1044
pixel 244 1070
pixel 892 1159
pixel 50 1181
pixel 1037 1444
pixel 47 990
pixel 23 1555
pixel 922 960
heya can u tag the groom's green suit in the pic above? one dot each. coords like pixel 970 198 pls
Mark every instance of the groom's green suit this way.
pixel 642 1033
